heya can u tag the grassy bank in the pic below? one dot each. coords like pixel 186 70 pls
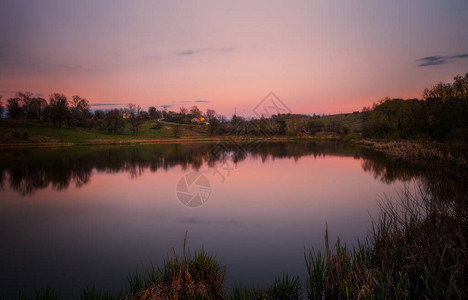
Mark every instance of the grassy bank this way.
pixel 45 133
pixel 448 154
pixel 14 134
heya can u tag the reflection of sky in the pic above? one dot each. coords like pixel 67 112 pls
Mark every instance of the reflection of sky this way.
pixel 257 222
pixel 318 56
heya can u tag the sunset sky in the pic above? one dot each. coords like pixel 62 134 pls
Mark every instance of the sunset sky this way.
pixel 316 56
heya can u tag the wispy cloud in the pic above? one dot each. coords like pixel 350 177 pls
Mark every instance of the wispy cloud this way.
pixel 28 65
pixel 197 51
pixel 184 102
pixel 191 52
pixel 460 56
pixel 196 101
pixel 14 92
pixel 105 104
pixel 151 57
pixel 439 60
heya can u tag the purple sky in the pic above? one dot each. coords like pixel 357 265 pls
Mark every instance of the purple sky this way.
pixel 316 56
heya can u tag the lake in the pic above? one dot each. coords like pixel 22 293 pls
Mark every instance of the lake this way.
pixel 79 217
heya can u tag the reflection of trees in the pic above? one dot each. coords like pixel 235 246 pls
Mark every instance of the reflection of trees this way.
pixel 439 181
pixel 2 179
pixel 27 177
pixel 379 166
pixel 27 170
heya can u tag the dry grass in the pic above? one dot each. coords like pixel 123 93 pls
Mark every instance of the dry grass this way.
pixel 197 276
pixel 444 153
pixel 417 249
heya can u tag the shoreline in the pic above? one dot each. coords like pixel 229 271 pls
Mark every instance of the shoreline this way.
pixel 446 153
pixel 169 141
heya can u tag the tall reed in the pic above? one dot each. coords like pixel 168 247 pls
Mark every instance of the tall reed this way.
pixel 416 249
pixel 197 276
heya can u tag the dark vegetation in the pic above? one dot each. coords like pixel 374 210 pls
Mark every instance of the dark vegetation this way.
pixel 416 250
pixel 29 169
pixel 197 276
pixel 442 115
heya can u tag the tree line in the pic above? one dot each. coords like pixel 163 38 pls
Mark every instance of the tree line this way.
pixel 76 112
pixel 59 110
pixel 441 115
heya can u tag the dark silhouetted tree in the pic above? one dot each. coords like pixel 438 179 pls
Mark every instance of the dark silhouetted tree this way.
pixel 2 109
pixel 39 105
pixel 281 128
pixel 460 86
pixel 58 109
pixel 113 121
pixel 154 113
pixel 14 108
pixel 26 100
pixel 79 111
pixel 212 120
pixel 442 115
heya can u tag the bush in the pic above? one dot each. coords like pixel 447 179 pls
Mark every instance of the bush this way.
pixel 346 129
pixel 176 131
pixel 349 137
pixel 156 126
pixel 197 276
pixel 290 132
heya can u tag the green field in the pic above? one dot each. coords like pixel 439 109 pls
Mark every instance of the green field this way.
pixel 44 132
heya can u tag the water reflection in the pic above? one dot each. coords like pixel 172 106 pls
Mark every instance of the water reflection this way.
pixel 87 216
pixel 28 170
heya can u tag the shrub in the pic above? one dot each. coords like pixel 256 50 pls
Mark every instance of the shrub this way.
pixel 197 276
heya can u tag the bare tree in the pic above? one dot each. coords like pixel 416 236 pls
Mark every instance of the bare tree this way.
pixel 212 120
pixel 195 112
pixel 183 112
pixel 133 114
pixel 26 100
pixel 210 114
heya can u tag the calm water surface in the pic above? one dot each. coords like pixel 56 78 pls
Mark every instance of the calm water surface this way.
pixel 88 216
